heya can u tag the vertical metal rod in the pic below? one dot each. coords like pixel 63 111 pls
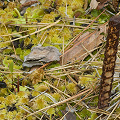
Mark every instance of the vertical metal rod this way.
pixel 109 62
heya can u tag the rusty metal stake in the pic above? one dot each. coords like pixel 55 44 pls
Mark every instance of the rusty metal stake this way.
pixel 109 62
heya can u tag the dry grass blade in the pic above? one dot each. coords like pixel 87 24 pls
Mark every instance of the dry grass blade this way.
pixel 57 89
pixel 46 24
pixel 17 33
pixel 83 31
pixel 113 110
pixel 118 116
pixel 99 111
pixel 61 102
pixel 35 32
pixel 28 111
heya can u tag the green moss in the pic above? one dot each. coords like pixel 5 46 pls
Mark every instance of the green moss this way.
pixel 84 114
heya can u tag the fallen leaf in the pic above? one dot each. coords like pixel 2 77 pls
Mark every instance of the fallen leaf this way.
pixel 93 4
